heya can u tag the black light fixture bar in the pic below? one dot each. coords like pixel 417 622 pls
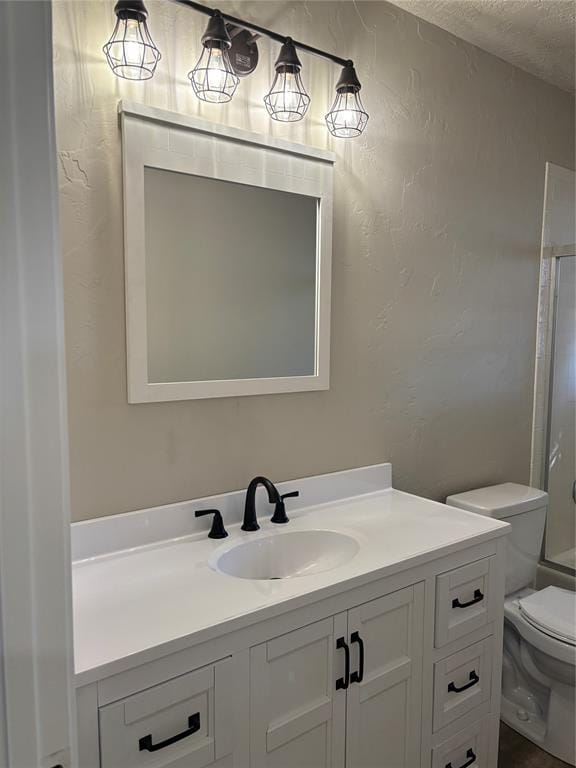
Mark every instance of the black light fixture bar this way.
pixel 263 31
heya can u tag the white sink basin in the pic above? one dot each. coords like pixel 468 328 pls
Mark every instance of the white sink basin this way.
pixel 285 555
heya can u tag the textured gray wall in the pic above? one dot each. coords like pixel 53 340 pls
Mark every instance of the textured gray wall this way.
pixel 438 212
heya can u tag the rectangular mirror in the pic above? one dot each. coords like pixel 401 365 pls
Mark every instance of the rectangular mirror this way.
pixel 228 262
pixel 236 301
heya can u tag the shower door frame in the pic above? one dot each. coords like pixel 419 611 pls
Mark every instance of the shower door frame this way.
pixel 544 369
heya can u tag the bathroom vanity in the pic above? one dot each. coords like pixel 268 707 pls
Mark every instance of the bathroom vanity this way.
pixel 365 632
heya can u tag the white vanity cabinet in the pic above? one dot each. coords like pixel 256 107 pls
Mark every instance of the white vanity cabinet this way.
pixel 391 660
pixel 406 675
pixel 345 691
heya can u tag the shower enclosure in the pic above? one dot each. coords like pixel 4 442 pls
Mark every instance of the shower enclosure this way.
pixel 554 434
pixel 561 465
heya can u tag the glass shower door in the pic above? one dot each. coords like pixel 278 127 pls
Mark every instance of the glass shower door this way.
pixel 560 545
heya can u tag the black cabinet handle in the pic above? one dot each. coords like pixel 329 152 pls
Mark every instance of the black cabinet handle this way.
pixel 471 759
pixel 343 682
pixel 473 680
pixel 145 743
pixel 478 597
pixel 357 677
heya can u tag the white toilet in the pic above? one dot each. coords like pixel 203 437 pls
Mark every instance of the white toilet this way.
pixel 539 663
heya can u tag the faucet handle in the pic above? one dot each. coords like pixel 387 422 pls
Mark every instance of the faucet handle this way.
pixel 217 531
pixel 280 515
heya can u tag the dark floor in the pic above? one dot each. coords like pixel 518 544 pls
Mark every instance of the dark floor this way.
pixel 518 752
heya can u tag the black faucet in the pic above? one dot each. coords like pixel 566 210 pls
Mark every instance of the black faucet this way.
pixel 250 521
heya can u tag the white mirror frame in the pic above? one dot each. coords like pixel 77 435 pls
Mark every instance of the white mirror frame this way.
pixel 170 141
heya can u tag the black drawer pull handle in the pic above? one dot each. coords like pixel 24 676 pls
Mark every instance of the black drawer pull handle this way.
pixel 145 743
pixel 473 680
pixel 471 759
pixel 357 677
pixel 478 597
pixel 343 682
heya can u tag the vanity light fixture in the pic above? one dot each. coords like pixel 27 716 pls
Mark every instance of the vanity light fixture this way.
pixel 131 52
pixel 287 99
pixel 229 53
pixel 213 77
pixel 347 117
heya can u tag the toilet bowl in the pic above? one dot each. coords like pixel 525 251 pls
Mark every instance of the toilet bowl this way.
pixel 538 693
pixel 539 659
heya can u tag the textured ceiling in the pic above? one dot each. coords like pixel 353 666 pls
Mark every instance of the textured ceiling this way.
pixel 535 35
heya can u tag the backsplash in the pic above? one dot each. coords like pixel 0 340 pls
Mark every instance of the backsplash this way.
pixel 92 538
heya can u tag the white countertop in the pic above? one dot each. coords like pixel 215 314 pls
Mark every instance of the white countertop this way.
pixel 136 605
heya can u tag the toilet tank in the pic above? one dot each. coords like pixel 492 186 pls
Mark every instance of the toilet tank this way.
pixel 525 509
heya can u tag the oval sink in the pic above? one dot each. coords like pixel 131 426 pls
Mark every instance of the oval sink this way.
pixel 285 555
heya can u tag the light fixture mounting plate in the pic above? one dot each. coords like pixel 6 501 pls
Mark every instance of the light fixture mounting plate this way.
pixel 244 51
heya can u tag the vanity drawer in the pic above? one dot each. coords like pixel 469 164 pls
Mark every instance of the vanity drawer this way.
pixel 464 600
pixel 469 748
pixel 184 721
pixel 462 682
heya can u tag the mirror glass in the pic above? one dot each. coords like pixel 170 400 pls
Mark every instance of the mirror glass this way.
pixel 231 279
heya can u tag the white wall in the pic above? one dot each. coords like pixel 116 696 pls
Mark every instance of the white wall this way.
pixel 438 212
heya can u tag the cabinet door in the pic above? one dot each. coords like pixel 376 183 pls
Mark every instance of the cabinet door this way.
pixel 384 706
pixel 297 715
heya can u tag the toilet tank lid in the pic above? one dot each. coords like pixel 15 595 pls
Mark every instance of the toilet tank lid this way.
pixel 500 501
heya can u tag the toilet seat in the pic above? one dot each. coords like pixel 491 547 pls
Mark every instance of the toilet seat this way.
pixel 552 611
pixel 543 641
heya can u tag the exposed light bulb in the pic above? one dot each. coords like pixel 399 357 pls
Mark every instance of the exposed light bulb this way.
pixel 287 99
pixel 131 52
pixel 290 94
pixel 217 71
pixel 133 48
pixel 347 117
pixel 213 78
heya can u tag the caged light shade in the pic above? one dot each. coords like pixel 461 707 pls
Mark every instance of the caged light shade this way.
pixel 131 52
pixel 213 78
pixel 347 117
pixel 287 99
